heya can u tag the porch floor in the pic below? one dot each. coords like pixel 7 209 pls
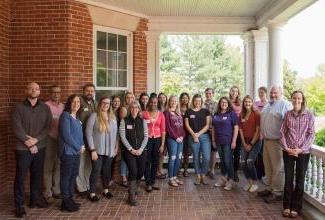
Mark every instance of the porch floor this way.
pixel 185 202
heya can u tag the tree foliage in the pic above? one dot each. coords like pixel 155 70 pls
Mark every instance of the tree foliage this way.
pixel 191 63
pixel 289 80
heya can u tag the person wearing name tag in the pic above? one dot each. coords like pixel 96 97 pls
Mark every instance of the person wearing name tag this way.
pixel 249 125
pixel 134 136
pixel 197 122
pixel 101 133
pixel 224 136
pixel 156 143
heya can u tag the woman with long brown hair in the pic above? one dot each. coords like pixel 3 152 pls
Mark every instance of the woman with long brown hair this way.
pixel 101 133
pixel 249 129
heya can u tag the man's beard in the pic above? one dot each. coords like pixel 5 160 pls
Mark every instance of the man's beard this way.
pixel 89 97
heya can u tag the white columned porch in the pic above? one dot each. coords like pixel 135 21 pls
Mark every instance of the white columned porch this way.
pixel 275 69
pixel 249 66
pixel 153 75
pixel 260 59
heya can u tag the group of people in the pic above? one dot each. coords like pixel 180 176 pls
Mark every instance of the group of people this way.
pixel 68 146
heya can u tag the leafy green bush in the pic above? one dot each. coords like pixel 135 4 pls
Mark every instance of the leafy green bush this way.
pixel 320 138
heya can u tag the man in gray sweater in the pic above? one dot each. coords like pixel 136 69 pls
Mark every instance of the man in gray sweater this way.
pixel 31 121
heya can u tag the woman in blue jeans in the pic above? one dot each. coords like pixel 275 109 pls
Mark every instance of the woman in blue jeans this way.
pixel 249 128
pixel 224 136
pixel 175 136
pixel 71 146
pixel 197 121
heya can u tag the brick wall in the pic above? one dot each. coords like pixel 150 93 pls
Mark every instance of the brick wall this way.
pixel 4 98
pixel 50 43
pixel 140 58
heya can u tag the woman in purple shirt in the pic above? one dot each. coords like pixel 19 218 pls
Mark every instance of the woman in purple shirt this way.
pixel 297 136
pixel 175 136
pixel 224 136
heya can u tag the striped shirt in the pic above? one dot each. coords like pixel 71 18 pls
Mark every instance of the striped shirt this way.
pixel 271 118
pixel 298 130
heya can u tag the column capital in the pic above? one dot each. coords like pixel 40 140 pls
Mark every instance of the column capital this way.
pixel 272 24
pixel 260 34
pixel 152 36
pixel 247 37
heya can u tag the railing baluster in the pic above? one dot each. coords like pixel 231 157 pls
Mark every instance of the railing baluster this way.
pixel 323 185
pixel 308 177
pixel 320 178
pixel 314 177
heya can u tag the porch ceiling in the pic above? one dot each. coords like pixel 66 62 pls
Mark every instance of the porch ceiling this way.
pixel 200 8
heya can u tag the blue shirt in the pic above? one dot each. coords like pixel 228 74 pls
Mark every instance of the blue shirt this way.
pixel 223 124
pixel 70 134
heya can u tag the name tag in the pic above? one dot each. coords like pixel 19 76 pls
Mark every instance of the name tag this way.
pixel 148 121
pixel 86 109
pixel 192 116
pixel 243 120
pixel 224 118
pixel 129 127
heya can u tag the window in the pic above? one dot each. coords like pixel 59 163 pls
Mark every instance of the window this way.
pixel 112 61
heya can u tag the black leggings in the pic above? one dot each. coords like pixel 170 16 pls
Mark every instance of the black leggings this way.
pixel 135 164
pixel 101 166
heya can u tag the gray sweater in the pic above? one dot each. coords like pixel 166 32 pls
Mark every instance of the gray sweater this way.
pixel 34 121
pixel 103 142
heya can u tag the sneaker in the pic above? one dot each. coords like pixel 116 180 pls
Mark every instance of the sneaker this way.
pixel 197 180
pixel 229 185
pixel 155 187
pixel 179 182
pixel 108 195
pixel 204 180
pixel 247 187
pixel 173 183
pixel 149 188
pixel 253 188
pixel 221 182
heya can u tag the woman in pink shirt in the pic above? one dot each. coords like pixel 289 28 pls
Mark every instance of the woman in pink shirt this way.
pixel 297 136
pixel 156 129
pixel 234 96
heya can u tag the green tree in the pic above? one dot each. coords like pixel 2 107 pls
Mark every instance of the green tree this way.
pixel 289 79
pixel 200 62
pixel 314 88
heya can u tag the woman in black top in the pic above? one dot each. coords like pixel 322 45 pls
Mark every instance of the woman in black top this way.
pixel 134 136
pixel 197 121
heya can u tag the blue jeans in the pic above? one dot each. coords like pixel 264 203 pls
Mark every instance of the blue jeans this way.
pixel 123 168
pixel 249 159
pixel 175 151
pixel 226 160
pixel 69 171
pixel 203 147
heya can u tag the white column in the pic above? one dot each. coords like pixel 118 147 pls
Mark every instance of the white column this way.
pixel 275 74
pixel 260 59
pixel 153 79
pixel 249 47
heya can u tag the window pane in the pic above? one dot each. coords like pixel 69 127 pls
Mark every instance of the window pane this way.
pixel 122 43
pixel 112 60
pixel 122 61
pixel 112 42
pixel 112 78
pixel 101 77
pixel 101 59
pixel 101 40
pixel 122 78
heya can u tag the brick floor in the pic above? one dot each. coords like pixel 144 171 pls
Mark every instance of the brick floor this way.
pixel 185 202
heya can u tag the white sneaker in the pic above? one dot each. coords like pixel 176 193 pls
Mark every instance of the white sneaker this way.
pixel 221 182
pixel 229 185
pixel 247 187
pixel 253 188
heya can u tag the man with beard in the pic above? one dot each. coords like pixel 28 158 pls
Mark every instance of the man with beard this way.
pixel 88 107
pixel 31 124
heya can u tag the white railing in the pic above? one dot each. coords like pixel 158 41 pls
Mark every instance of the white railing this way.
pixel 315 178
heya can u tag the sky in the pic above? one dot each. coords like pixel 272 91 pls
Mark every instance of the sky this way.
pixel 303 40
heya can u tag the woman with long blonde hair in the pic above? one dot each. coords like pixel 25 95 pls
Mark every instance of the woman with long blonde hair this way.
pixel 175 136
pixel 101 133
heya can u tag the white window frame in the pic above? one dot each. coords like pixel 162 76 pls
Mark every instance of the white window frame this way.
pixel 129 39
